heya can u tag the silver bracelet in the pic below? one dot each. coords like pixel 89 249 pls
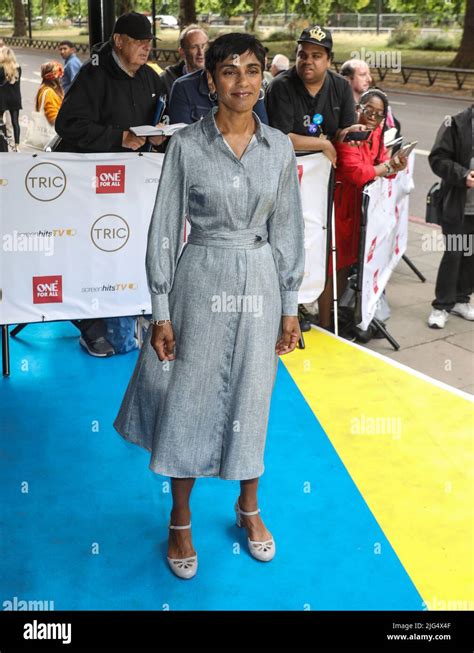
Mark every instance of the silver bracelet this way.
pixel 160 322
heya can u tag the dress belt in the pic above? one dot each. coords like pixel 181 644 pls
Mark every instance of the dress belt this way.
pixel 239 238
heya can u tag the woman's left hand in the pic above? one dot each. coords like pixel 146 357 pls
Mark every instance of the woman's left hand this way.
pixel 291 333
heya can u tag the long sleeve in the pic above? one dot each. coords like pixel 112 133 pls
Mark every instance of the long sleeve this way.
pixel 179 107
pixel 66 80
pixel 442 158
pixel 166 232
pixel 351 166
pixel 52 103
pixel 356 163
pixel 79 119
pixel 286 234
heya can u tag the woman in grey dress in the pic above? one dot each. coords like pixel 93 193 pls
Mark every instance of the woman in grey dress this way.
pixel 225 305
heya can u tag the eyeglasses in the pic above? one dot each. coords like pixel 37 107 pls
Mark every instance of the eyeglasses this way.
pixel 372 114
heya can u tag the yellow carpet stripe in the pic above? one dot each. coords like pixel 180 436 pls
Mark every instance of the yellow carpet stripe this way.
pixel 408 445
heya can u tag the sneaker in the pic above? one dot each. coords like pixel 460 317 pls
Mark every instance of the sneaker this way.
pixel 438 318
pixel 464 310
pixel 99 347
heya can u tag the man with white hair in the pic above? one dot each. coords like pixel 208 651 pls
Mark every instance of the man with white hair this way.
pixel 279 63
pixel 358 75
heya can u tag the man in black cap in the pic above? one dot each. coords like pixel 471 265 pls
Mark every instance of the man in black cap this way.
pixel 113 91
pixel 309 102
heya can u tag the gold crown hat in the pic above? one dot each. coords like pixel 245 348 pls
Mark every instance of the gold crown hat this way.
pixel 317 35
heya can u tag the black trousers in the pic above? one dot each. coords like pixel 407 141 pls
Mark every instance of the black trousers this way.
pixel 455 280
pixel 91 329
pixel 15 118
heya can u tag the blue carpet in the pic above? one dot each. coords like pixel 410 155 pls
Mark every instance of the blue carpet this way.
pixel 84 521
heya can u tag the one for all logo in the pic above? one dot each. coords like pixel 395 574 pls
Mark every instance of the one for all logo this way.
pixel 48 290
pixel 110 179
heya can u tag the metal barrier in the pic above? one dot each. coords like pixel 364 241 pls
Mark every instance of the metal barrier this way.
pixel 463 76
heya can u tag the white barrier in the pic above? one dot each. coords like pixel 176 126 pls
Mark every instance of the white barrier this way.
pixel 386 237
pixel 314 171
pixel 73 231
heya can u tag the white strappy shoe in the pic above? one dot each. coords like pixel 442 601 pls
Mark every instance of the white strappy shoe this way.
pixel 263 551
pixel 183 567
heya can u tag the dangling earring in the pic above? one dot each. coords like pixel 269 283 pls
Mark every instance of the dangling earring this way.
pixel 261 95
pixel 212 96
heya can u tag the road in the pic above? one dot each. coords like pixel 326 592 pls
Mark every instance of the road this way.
pixel 419 115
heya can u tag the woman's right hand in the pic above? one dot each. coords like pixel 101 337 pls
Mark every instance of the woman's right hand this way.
pixel 163 342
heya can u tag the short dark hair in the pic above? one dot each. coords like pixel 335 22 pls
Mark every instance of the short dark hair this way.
pixel 234 43
pixel 69 44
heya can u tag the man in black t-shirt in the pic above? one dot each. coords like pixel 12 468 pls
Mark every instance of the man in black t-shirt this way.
pixel 312 104
pixel 309 102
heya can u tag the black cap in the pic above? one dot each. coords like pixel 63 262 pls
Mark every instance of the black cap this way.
pixel 133 24
pixel 317 36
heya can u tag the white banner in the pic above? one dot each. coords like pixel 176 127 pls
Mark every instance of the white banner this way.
pixel 73 231
pixel 314 171
pixel 386 237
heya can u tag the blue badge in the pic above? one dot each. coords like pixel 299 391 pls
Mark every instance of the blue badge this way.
pixel 317 119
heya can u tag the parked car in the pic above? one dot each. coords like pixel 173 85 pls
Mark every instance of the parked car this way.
pixel 166 22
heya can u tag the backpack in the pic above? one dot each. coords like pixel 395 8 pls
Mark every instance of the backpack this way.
pixel 434 204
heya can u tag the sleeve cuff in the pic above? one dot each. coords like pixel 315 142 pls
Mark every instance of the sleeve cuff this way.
pixel 289 302
pixel 160 307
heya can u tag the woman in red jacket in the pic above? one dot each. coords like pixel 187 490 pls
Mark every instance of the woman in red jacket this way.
pixel 359 162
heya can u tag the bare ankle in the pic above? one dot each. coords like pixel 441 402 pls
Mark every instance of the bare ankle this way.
pixel 180 516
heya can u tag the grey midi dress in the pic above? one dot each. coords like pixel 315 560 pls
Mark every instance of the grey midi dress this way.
pixel 206 412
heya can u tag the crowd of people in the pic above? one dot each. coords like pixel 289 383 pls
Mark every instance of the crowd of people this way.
pixel 93 105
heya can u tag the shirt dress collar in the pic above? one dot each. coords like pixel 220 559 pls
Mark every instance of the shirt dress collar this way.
pixel 212 130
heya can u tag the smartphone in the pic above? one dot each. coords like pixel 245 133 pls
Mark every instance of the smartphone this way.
pixel 406 149
pixel 357 136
